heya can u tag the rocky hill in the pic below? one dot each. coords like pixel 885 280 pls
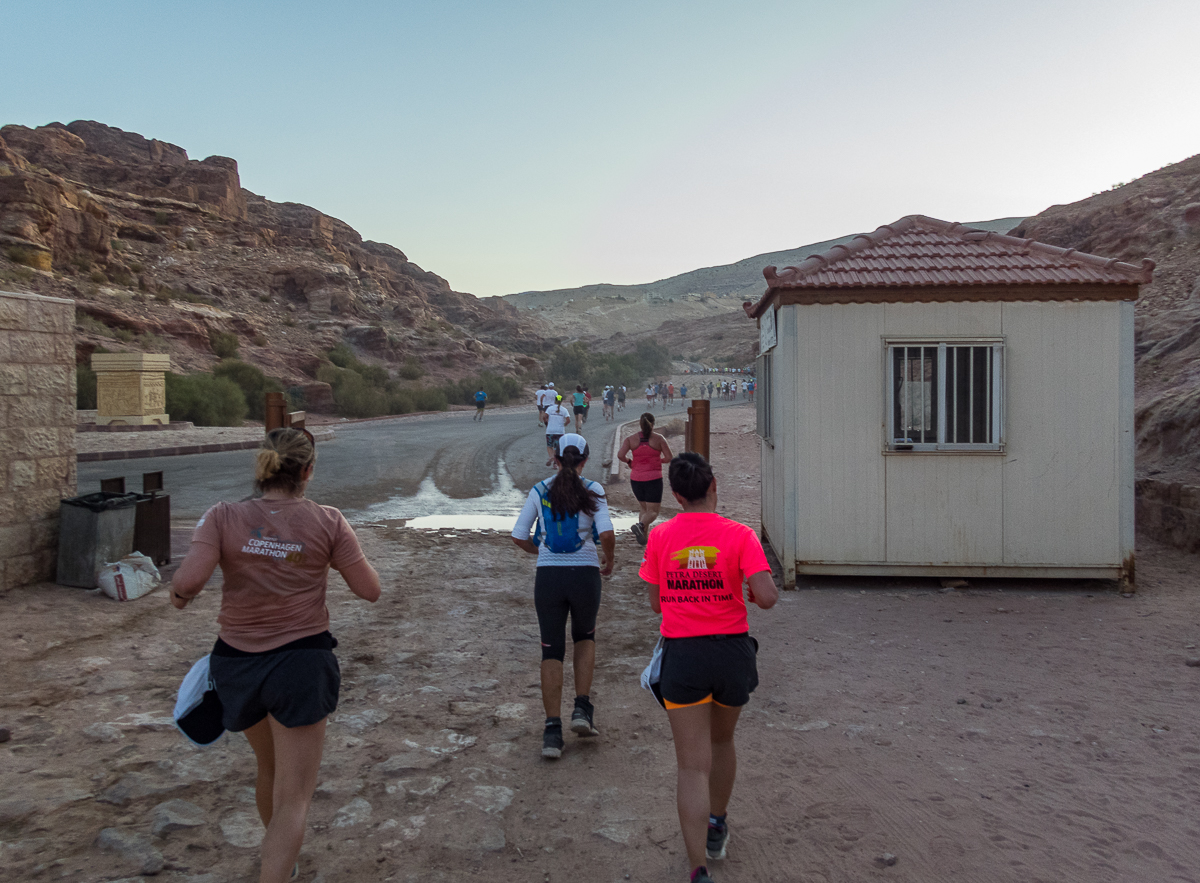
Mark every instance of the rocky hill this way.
pixel 1155 216
pixel 166 253
pixel 697 315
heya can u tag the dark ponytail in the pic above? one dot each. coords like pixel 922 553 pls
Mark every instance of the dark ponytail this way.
pixel 568 494
pixel 690 476
pixel 647 424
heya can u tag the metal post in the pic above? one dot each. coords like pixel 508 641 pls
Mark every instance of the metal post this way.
pixel 697 437
pixel 275 415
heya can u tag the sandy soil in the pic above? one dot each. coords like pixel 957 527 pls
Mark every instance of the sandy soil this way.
pixel 1010 731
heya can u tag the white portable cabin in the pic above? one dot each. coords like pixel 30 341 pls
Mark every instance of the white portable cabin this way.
pixel 936 400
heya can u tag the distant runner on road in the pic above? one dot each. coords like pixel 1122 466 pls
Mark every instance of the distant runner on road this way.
pixel 557 420
pixel 480 404
pixel 579 405
pixel 621 398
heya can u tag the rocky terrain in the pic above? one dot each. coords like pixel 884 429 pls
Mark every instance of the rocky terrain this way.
pixel 1155 216
pixel 697 315
pixel 160 251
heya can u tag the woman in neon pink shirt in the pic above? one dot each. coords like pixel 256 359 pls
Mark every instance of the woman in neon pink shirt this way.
pixel 696 564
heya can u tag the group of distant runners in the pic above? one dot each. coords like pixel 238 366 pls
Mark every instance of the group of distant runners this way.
pixel 272 673
pixel 661 393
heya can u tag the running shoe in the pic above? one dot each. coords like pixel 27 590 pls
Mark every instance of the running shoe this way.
pixel 644 535
pixel 718 839
pixel 639 532
pixel 552 740
pixel 700 875
pixel 581 718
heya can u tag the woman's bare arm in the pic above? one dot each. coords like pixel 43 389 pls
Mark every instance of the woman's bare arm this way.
pixel 527 545
pixel 763 591
pixel 626 446
pixel 655 601
pixel 664 453
pixel 195 569
pixel 363 580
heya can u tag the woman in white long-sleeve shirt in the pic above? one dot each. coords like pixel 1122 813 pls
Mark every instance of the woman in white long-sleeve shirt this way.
pixel 570 514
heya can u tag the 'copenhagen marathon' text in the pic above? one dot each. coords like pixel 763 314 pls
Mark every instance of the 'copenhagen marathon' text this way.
pixel 274 549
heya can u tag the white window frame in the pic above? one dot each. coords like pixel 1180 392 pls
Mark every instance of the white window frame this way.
pixel 896 445
pixel 764 381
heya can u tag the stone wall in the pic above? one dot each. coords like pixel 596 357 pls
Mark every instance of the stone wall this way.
pixel 1170 513
pixel 37 432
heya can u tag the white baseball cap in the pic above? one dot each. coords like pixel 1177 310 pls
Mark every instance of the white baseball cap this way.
pixel 551 385
pixel 573 439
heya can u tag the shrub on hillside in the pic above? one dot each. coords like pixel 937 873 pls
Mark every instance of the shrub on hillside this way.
pixel 498 388
pixel 576 363
pixel 205 400
pixel 369 394
pixel 411 369
pixel 252 382
pixel 85 388
pixel 224 344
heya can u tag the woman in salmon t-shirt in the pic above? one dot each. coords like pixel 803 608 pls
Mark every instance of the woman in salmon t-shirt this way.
pixel 696 564
pixel 273 665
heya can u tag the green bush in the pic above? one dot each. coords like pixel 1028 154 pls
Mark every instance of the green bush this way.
pixel 352 394
pixel 205 400
pixel 342 356
pixel 499 389
pixel 224 344
pixel 411 369
pixel 576 363
pixel 368 393
pixel 252 382
pixel 85 388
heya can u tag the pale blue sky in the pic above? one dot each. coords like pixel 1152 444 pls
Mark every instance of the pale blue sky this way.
pixel 528 145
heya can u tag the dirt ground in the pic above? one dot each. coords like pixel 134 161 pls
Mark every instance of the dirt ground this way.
pixel 1010 731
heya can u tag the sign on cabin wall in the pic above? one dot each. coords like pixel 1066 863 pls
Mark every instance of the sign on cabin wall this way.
pixel 766 331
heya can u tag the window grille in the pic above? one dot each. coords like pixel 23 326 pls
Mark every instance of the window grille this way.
pixel 945 395
pixel 763 384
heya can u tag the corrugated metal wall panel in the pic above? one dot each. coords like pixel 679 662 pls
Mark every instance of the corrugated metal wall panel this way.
pixel 944 509
pixel 838 431
pixel 1061 473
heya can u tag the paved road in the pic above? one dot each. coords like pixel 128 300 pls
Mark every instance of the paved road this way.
pixel 442 464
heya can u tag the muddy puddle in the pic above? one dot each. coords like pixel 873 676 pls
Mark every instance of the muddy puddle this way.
pixel 430 509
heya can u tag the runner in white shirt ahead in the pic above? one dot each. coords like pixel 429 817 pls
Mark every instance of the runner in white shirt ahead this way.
pixel 558 417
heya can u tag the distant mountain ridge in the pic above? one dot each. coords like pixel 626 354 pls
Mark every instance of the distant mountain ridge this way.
pixel 602 310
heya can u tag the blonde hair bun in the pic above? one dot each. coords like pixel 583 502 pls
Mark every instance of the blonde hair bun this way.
pixel 267 465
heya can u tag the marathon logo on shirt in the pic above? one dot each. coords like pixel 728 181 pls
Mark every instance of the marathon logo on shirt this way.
pixel 696 577
pixel 273 547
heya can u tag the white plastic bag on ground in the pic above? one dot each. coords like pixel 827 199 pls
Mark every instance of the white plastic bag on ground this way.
pixel 131 577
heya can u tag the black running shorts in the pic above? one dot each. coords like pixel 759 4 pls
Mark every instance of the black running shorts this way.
pixel 297 687
pixel 647 491
pixel 559 591
pixel 579 409
pixel 713 668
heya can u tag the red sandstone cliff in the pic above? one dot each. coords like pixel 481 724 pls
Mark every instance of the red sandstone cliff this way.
pixel 160 250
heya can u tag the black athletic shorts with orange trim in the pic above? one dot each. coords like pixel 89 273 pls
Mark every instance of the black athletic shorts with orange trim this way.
pixel 712 668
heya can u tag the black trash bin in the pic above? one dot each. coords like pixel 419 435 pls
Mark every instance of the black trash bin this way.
pixel 93 530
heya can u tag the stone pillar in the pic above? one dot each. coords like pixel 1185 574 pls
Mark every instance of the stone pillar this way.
pixel 37 432
pixel 131 388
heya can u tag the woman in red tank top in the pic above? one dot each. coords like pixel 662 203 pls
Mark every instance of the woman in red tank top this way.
pixel 645 453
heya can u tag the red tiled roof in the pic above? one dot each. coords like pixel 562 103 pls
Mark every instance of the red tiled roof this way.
pixel 922 252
